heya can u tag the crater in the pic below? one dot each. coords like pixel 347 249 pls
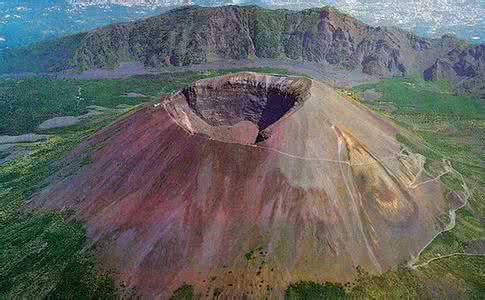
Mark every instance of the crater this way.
pixel 239 107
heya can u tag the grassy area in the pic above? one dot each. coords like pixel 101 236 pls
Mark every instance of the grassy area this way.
pixel 26 103
pixel 310 290
pixel 41 252
pixel 414 96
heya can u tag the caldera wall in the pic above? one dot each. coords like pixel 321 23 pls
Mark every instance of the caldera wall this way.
pixel 237 108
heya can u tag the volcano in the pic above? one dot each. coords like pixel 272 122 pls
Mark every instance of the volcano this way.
pixel 242 184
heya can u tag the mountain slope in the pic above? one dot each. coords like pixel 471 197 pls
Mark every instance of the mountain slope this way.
pixel 44 57
pixel 466 67
pixel 431 18
pixel 25 22
pixel 245 183
pixel 195 35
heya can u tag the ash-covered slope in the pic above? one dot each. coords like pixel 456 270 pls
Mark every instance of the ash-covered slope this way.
pixel 244 183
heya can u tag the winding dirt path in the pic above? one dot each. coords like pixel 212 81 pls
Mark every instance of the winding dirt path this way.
pixel 413 263
pixel 446 256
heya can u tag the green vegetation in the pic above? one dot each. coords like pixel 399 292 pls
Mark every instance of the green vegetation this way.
pixel 185 292
pixel 267 29
pixel 41 253
pixel 402 283
pixel 26 103
pixel 310 290
pixel 447 127
pixel 45 56
pixel 250 254
pixel 429 101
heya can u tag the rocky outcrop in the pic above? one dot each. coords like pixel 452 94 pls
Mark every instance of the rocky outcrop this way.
pixel 222 188
pixel 194 35
pixel 466 67
pixel 237 109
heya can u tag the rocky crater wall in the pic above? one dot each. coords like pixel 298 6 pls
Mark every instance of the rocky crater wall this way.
pixel 238 108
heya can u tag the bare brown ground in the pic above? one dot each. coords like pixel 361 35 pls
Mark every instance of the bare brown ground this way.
pixel 175 196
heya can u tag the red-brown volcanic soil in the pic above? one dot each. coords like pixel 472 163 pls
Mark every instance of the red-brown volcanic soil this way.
pixel 245 183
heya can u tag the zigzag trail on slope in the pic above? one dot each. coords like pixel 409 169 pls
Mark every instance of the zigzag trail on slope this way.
pixel 413 263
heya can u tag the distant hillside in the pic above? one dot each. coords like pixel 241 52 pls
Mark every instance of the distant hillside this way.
pixel 430 18
pixel 49 56
pixel 25 22
pixel 194 35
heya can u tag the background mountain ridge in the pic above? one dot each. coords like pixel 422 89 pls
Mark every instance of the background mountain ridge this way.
pixel 195 35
